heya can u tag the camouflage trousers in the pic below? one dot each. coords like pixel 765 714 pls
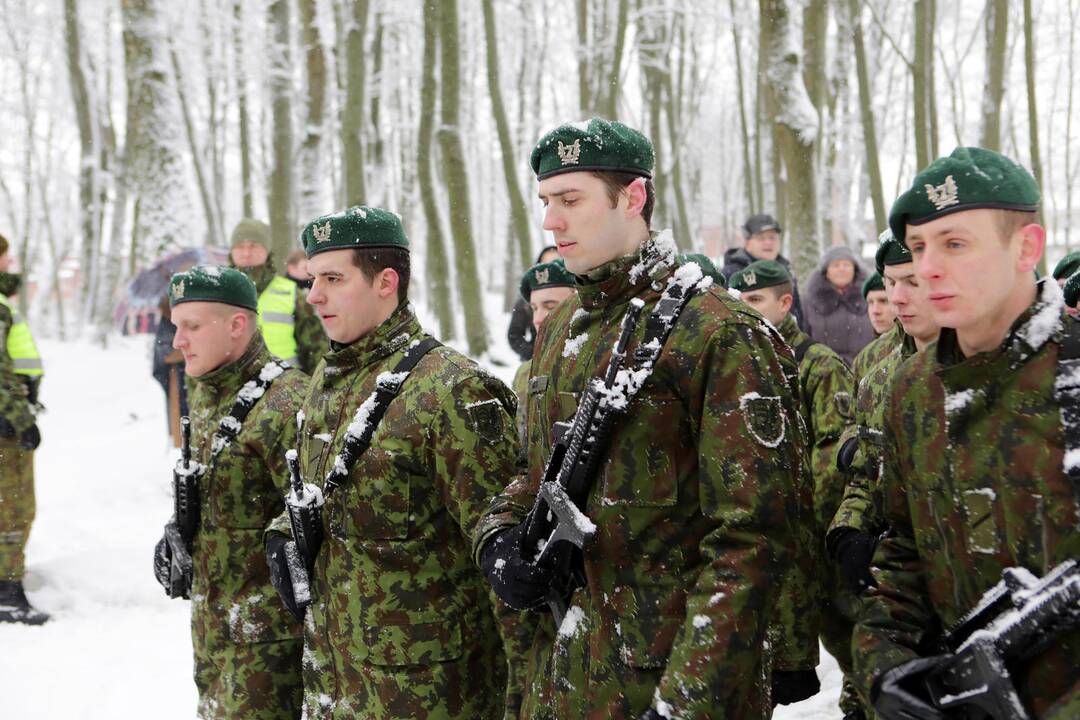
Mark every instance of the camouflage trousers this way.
pixel 837 626
pixel 17 508
pixel 254 681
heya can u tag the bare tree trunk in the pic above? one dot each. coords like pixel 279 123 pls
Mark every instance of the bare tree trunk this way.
pixel 457 182
pixel 435 260
pixel 247 187
pixel 795 130
pixel 281 177
pixel 376 144
pixel 586 100
pixel 610 108
pixel 352 116
pixel 866 111
pixel 997 27
pixel 922 82
pixel 1033 116
pixel 196 154
pixel 748 169
pixel 312 178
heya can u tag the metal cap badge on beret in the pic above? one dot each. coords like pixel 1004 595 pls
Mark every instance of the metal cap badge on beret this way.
pixel 358 227
pixel 250 229
pixel 872 283
pixel 708 267
pixel 1067 265
pixel 890 251
pixel 760 274
pixel 968 179
pixel 213 283
pixel 545 275
pixel 596 144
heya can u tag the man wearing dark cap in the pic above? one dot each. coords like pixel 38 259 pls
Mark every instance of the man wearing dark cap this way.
pixel 761 241
pixel 695 502
pixel 401 623
pixel 1066 268
pixel 20 377
pixel 291 330
pixel 826 406
pixel 979 440
pixel 886 341
pixel 877 305
pixel 243 402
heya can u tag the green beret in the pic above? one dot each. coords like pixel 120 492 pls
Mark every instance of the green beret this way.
pixel 970 178
pixel 760 274
pixel 596 144
pixel 545 275
pixel 213 283
pixel 708 267
pixel 890 251
pixel 874 282
pixel 254 230
pixel 1067 265
pixel 358 227
pixel 1072 290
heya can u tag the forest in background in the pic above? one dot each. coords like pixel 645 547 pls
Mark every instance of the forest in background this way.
pixel 133 128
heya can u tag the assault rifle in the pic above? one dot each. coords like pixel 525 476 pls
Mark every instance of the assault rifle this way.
pixel 304 505
pixel 180 531
pixel 557 529
pixel 1013 622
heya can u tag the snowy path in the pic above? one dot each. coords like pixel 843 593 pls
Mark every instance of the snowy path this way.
pixel 117 648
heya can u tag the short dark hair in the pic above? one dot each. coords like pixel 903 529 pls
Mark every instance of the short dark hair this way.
pixel 1009 221
pixel 784 288
pixel 372 261
pixel 295 256
pixel 615 183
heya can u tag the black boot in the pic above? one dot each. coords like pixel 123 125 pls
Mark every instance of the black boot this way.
pixel 15 608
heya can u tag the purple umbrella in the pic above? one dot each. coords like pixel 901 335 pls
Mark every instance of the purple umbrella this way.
pixel 144 293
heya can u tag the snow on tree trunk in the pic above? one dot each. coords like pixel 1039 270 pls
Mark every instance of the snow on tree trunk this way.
pixel 282 230
pixel 313 176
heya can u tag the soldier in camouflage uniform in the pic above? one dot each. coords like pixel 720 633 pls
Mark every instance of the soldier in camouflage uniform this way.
pixel 247 647
pixel 807 602
pixel 543 286
pixel 401 623
pixel 20 376
pixel 877 304
pixel 290 327
pixel 975 476
pixel 888 337
pixel 697 503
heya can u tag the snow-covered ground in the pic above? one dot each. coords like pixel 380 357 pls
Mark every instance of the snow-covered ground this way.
pixel 117 647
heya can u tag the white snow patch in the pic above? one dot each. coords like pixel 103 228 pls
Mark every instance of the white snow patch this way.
pixel 572 622
pixel 701 621
pixel 573 345
pixel 1046 320
pixel 1072 459
pixel 957 401
pixel 313 497
pixel 716 598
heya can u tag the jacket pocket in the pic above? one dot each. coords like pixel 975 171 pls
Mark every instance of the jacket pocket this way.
pixel 638 471
pixel 375 503
pixel 414 643
pixel 981 521
pixel 646 625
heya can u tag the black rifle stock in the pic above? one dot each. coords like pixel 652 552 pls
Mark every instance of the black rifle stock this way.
pixel 557 529
pixel 305 520
pixel 1013 622
pixel 180 531
pixel 181 567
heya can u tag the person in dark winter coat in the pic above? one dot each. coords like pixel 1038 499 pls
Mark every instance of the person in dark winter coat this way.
pixel 168 370
pixel 835 308
pixel 761 241
pixel 521 334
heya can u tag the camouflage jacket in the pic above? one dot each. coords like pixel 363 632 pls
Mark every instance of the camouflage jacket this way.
pixel 402 623
pixel 973 483
pixel 311 340
pixel 695 509
pixel 15 405
pixel 520 387
pixel 243 489
pixel 878 349
pixel 860 508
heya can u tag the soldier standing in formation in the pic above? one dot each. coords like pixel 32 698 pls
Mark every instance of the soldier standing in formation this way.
pixel 288 324
pixel 242 401
pixel 696 506
pixel 20 377
pixel 543 287
pixel 977 471
pixel 878 308
pixel 401 623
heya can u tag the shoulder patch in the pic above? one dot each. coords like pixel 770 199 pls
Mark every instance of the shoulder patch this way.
pixel 764 417
pixel 538 384
pixel 844 404
pixel 486 418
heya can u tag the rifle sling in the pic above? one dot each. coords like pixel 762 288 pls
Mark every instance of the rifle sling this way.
pixel 387 386
pixel 802 348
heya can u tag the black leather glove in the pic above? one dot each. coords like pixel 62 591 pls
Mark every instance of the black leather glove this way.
pixel 279 574
pixel 854 550
pixel 846 455
pixel 900 694
pixel 792 686
pixel 162 563
pixel 521 585
pixel 30 438
pixel 650 714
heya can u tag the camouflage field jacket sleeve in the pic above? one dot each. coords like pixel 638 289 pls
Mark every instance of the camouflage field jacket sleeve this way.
pixel 14 406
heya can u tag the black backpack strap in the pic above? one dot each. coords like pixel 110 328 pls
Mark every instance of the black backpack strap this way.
pixel 371 411
pixel 1067 395
pixel 249 394
pixel 658 327
pixel 802 348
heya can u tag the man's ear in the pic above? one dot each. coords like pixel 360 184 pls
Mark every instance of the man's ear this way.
pixel 1032 244
pixel 388 282
pixel 635 197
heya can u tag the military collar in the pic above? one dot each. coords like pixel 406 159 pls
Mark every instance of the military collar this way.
pixel 385 340
pixel 261 275
pixel 9 283
pixel 1040 323
pixel 230 376
pixel 627 277
pixel 790 330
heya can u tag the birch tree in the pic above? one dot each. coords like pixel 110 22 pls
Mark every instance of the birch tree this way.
pixel 281 177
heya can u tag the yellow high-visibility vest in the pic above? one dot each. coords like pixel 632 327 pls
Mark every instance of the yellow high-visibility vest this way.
pixel 277 303
pixel 20 344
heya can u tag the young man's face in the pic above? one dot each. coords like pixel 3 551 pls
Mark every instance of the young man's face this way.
pixel 348 304
pixel 880 311
pixel 205 334
pixel 971 271
pixel 908 296
pixel 773 306
pixel 544 300
pixel 588 231
pixel 248 254
pixel 764 245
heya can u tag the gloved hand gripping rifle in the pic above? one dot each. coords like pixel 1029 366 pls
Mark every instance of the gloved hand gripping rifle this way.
pixel 180 531
pixel 304 505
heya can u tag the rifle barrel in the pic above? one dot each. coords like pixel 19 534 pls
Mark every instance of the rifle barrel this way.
pixel 185 445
